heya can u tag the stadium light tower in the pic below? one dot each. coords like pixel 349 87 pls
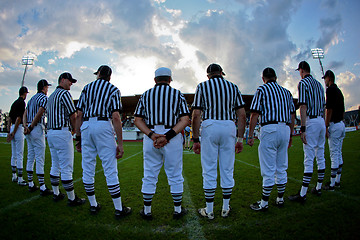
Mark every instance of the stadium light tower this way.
pixel 26 60
pixel 318 53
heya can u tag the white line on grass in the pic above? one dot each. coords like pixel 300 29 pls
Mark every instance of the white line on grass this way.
pixel 193 225
pixel 15 204
pixel 299 181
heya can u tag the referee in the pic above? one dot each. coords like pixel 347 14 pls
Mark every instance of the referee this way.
pixel 61 114
pixel 162 114
pixel 34 129
pixel 335 128
pixel 312 105
pixel 277 110
pixel 98 116
pixel 219 103
pixel 16 136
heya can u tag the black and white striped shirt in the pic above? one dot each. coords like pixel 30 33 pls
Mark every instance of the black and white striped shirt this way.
pixel 33 106
pixel 274 103
pixel 311 93
pixel 218 99
pixel 60 107
pixel 99 98
pixel 162 105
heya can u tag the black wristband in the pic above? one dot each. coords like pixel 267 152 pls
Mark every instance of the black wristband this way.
pixel 302 129
pixel 78 138
pixel 30 128
pixel 170 134
pixel 150 134
pixel 196 140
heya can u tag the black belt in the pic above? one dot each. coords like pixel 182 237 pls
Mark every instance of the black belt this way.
pixel 98 118
pixel 313 116
pixel 273 122
pixel 165 126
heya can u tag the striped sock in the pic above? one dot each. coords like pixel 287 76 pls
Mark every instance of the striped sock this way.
pixel 226 198
pixel 321 175
pixel 147 202
pixel 305 184
pixel 69 188
pixel 90 192
pixel 338 174
pixel 13 169
pixel 281 189
pixel 41 179
pixel 20 172
pixel 209 197
pixel 177 198
pixel 265 195
pixel 30 175
pixel 333 176
pixel 55 181
pixel 116 196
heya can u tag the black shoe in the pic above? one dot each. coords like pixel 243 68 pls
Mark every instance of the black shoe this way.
pixel 59 197
pixel 257 207
pixel 327 187
pixel 125 211
pixel 279 203
pixel 316 192
pixel 95 209
pixel 33 188
pixel 76 202
pixel 178 215
pixel 297 198
pixel 337 184
pixel 46 192
pixel 147 216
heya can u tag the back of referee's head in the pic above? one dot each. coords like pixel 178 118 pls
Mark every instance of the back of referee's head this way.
pixel 104 72
pixel 163 74
pixel 269 75
pixel 214 70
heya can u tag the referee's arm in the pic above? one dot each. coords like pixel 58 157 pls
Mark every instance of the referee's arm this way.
pixel 116 120
pixel 253 121
pixel 78 123
pixel 196 117
pixel 241 121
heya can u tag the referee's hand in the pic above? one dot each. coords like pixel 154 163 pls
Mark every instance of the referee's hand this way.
pixel 119 151
pixel 196 148
pixel 303 137
pixel 239 147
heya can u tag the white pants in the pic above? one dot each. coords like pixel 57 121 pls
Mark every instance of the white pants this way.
pixel 335 141
pixel 36 149
pixel 171 155
pixel 62 153
pixel 98 138
pixel 273 155
pixel 218 142
pixel 17 147
pixel 315 147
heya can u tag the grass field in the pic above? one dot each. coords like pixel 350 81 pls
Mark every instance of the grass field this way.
pixel 334 215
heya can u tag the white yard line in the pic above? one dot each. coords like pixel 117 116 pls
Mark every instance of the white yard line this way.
pixel 18 203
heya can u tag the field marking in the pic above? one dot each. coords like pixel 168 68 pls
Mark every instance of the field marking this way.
pixel 193 225
pixel 311 185
pixel 15 204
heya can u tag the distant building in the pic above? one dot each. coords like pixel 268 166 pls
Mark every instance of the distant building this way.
pixel 352 118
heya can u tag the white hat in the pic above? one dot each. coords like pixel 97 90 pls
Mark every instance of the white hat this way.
pixel 163 71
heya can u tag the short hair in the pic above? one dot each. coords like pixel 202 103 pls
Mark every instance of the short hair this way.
pixel 163 78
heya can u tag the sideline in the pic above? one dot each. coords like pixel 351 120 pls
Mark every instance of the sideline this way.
pixel 15 204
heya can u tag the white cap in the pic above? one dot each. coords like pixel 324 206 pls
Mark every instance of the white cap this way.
pixel 163 71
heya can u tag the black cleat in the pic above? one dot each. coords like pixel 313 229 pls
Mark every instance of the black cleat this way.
pixel 120 214
pixel 33 188
pixel 279 203
pixel 257 207
pixel 59 197
pixel 46 192
pixel 178 215
pixel 337 184
pixel 95 209
pixel 327 187
pixel 316 192
pixel 297 198
pixel 147 216
pixel 76 202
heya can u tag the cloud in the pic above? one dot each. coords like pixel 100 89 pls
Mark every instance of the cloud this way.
pixel 330 28
pixel 348 82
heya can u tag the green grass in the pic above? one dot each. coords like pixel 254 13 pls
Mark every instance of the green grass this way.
pixel 334 215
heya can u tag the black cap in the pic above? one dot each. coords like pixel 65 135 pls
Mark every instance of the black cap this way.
pixel 214 68
pixel 269 73
pixel 304 66
pixel 41 84
pixel 329 74
pixel 67 75
pixel 23 90
pixel 104 71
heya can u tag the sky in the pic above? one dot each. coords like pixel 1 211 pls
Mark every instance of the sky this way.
pixel 136 37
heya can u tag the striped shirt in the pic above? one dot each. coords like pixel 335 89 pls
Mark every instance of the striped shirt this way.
pixel 162 105
pixel 311 94
pixel 218 99
pixel 99 98
pixel 60 107
pixel 274 103
pixel 33 106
